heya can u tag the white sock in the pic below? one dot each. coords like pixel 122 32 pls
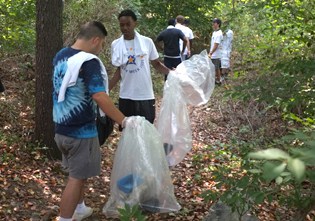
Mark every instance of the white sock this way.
pixel 64 219
pixel 80 207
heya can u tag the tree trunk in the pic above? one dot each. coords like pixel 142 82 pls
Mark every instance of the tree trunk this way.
pixel 48 43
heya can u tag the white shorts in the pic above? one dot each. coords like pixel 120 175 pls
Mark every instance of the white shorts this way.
pixel 225 63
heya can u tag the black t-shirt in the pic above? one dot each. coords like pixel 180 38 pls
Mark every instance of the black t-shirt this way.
pixel 170 38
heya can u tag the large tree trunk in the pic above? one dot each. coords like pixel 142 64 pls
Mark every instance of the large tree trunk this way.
pixel 48 42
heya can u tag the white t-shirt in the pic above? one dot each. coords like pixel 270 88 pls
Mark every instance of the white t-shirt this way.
pixel 136 82
pixel 217 37
pixel 187 32
pixel 227 44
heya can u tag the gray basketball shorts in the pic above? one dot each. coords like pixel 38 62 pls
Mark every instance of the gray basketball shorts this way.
pixel 80 157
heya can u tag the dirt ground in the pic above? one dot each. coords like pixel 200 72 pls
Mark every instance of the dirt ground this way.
pixel 31 185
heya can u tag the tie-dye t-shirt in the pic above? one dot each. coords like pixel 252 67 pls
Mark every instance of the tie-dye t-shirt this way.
pixel 75 116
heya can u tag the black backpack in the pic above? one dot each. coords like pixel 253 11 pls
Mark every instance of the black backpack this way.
pixel 105 126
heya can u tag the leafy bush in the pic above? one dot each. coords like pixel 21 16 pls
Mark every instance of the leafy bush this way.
pixel 291 90
pixel 234 186
pixel 77 13
pixel 294 167
pixel 279 66
pixel 17 25
pixel 283 172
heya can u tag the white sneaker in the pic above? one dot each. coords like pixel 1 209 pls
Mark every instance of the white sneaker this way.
pixel 222 79
pixel 82 215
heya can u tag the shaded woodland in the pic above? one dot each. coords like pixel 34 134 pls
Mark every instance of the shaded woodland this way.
pixel 254 142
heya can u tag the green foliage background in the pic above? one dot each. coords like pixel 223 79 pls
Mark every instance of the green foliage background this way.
pixel 17 26
pixel 276 42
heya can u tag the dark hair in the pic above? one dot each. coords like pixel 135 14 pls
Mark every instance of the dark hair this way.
pixel 92 29
pixel 171 21
pixel 127 12
pixel 218 21
pixel 186 21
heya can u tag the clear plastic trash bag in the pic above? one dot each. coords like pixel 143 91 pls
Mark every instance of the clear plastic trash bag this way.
pixel 191 83
pixel 140 174
pixel 197 78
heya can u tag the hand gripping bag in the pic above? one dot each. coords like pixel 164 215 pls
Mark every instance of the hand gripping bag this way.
pixel 192 83
pixel 140 174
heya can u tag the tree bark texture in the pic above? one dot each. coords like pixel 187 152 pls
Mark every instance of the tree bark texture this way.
pixel 48 43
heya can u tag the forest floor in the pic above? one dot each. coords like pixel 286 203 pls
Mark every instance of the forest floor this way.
pixel 31 185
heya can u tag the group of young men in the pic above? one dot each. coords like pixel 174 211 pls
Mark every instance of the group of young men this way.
pixel 79 81
pixel 220 50
pixel 81 84
pixel 177 41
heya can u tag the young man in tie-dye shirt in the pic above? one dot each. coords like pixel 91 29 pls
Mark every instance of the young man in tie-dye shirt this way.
pixel 75 114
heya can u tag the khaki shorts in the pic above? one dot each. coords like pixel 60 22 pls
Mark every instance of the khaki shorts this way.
pixel 80 157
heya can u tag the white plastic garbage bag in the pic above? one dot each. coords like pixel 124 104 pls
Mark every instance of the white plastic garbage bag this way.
pixel 140 174
pixel 197 77
pixel 191 83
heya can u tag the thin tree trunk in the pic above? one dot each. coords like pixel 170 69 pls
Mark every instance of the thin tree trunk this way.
pixel 48 42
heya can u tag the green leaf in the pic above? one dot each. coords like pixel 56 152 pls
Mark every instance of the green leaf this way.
pixel 130 213
pixel 285 173
pixel 210 195
pixel 297 167
pixel 243 182
pixel 260 197
pixel 255 171
pixel 279 180
pixel 307 155
pixel 269 154
pixel 270 198
pixel 311 175
pixel 301 136
pixel 287 178
pixel 310 143
pixel 272 170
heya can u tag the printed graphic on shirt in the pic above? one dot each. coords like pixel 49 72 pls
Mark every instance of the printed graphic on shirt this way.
pixel 134 63
pixel 131 59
